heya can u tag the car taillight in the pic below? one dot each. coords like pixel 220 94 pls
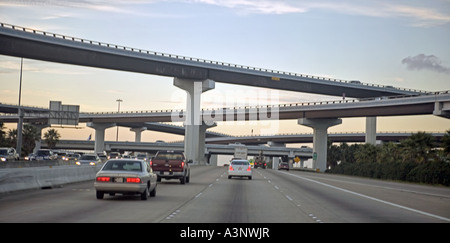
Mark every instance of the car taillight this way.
pixel 103 179
pixel 151 162
pixel 249 168
pixel 134 180
pixel 182 164
pixel 230 168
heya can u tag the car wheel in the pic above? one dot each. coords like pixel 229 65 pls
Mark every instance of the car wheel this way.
pixel 229 177
pixel 153 192
pixel 188 178
pixel 145 194
pixel 183 180
pixel 249 177
pixel 100 195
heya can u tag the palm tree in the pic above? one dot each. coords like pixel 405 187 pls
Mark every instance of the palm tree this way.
pixel 30 135
pixel 2 135
pixel 51 138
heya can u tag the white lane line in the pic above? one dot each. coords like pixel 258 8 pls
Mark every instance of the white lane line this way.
pixel 369 197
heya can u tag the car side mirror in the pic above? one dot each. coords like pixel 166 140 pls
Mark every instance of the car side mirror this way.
pixel 190 161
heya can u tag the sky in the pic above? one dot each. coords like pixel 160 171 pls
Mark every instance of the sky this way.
pixel 400 43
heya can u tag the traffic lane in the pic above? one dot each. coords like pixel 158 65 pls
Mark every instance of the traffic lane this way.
pixel 426 198
pixel 331 203
pixel 240 200
pixel 77 202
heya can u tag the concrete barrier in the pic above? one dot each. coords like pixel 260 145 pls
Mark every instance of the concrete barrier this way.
pixel 16 179
pixel 34 163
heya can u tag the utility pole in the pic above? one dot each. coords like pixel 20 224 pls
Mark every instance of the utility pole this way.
pixel 118 110
pixel 19 110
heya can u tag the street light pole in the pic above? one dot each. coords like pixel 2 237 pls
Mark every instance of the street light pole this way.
pixel 118 110
pixel 19 110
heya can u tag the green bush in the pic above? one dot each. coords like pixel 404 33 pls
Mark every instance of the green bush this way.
pixel 418 158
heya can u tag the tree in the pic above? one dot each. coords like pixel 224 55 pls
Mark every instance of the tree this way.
pixel 2 135
pixel 418 147
pixel 446 143
pixel 30 135
pixel 51 138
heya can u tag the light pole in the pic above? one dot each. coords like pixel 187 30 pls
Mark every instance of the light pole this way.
pixel 118 110
pixel 20 111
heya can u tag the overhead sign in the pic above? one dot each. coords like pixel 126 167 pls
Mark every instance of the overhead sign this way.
pixel 60 114
pixel 240 152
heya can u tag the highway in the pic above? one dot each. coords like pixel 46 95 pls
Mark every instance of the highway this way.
pixel 270 197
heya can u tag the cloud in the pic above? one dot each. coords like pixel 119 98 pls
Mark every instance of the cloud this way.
pixel 252 6
pixel 422 16
pixel 424 62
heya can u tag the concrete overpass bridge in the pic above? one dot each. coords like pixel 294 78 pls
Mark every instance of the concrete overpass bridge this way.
pixel 211 150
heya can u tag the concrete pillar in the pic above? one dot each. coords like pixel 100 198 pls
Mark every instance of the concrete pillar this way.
pixel 320 139
pixel 213 159
pixel 371 130
pixel 201 143
pixel 192 141
pixel 138 132
pixel 38 143
pixel 100 134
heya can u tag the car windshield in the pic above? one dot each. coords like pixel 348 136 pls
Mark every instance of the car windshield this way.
pixel 239 162
pixel 43 152
pixel 169 156
pixel 88 157
pixel 123 165
pixel 3 151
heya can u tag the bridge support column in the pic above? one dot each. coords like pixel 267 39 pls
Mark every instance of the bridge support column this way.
pixel 138 132
pixel 320 139
pixel 100 134
pixel 193 141
pixel 442 109
pixel 38 143
pixel 371 130
pixel 201 145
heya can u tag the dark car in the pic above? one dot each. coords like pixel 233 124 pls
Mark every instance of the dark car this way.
pixel 283 166
pixel 171 165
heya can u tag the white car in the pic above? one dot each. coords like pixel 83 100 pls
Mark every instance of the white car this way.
pixel 240 168
pixel 126 176
pixel 8 154
pixel 88 159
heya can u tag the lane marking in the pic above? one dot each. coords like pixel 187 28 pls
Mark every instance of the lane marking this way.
pixel 369 197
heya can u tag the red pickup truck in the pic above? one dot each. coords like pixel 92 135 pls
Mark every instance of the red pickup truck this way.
pixel 171 165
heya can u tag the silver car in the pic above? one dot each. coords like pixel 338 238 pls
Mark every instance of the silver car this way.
pixel 126 176
pixel 240 168
pixel 88 159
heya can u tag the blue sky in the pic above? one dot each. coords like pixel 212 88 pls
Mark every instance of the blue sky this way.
pixel 400 43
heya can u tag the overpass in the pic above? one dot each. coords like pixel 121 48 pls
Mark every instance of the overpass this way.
pixel 351 137
pixel 40 45
pixel 210 149
pixel 437 103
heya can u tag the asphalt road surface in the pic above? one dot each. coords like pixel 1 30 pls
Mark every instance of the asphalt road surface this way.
pixel 270 197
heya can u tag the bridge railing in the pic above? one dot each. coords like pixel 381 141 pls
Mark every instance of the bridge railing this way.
pixel 180 57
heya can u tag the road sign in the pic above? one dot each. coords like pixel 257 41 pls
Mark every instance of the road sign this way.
pixel 63 114
pixel 240 152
